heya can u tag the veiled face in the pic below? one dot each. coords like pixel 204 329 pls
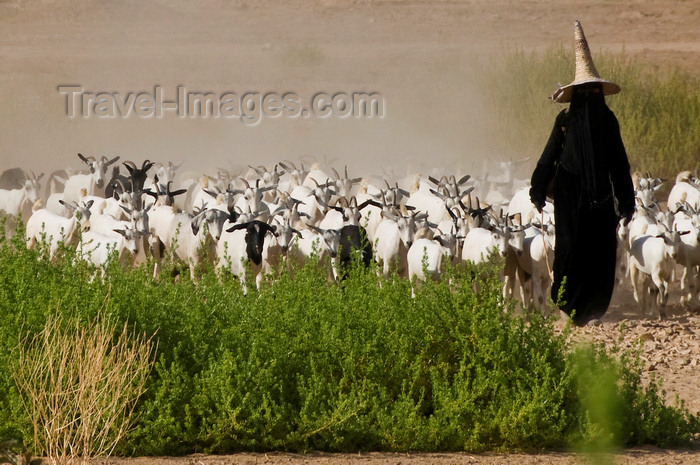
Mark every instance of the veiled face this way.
pixel 591 92
pixel 588 89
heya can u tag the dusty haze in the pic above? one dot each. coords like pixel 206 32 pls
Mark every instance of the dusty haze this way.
pixel 419 56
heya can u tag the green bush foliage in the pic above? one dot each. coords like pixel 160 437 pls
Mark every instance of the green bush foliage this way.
pixel 658 109
pixel 307 364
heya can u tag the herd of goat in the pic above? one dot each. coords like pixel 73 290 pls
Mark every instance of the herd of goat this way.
pixel 252 222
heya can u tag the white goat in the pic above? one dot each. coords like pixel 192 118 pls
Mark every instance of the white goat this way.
pixel 190 241
pixel 93 182
pixel 314 201
pixel 686 189
pixel 688 219
pixel 20 201
pixel 652 260
pixel 252 200
pixel 164 174
pixel 481 242
pixel 535 265
pixel 56 229
pixel 393 237
pixel 431 252
pixel 296 176
pixel 521 203
pixel 427 200
pixel 277 247
pixel 622 257
pixel 97 248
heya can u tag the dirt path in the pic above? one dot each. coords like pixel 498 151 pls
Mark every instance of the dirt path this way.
pixel 646 455
pixel 670 348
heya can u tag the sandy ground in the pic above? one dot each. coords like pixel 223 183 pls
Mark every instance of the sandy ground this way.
pixel 670 347
pixel 417 54
pixel 645 455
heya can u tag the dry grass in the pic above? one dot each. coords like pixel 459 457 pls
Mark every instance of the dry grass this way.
pixel 658 109
pixel 79 386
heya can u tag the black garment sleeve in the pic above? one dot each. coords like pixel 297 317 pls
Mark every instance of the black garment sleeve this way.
pixel 620 171
pixel 546 166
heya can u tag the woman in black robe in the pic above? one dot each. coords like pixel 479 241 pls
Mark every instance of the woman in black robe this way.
pixel 592 189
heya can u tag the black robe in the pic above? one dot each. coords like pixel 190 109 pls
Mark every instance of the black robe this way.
pixel 585 222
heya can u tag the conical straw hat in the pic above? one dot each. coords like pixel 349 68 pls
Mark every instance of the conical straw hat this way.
pixel 585 70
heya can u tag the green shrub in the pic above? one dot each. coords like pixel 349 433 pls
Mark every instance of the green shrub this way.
pixel 307 364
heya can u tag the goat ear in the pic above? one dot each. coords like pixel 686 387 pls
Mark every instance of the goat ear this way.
pixel 67 205
pixel 369 202
pixel 89 204
pixel 464 179
pixel 258 170
pixel 314 228
pixel 129 168
pixel 233 215
pixel 236 227
pixel 197 222
pixel 82 157
pixel 390 216
pixel 120 231
pixel 467 191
